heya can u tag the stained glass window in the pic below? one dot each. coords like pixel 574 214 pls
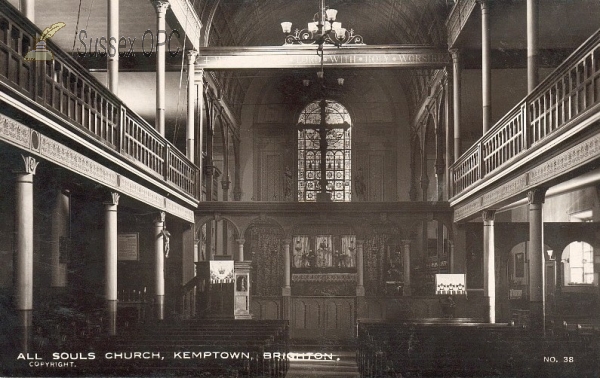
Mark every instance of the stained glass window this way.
pixel 337 157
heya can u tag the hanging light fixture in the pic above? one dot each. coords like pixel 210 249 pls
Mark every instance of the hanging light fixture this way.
pixel 322 30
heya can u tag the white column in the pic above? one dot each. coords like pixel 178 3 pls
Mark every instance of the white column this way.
pixel 406 267
pixel 489 275
pixel 537 297
pixel 199 144
pixel 161 7
pixel 159 266
pixel 486 66
pixel 113 51
pixel 287 275
pixel 23 258
pixel 28 9
pixel 360 284
pixel 110 260
pixel 456 76
pixel 448 136
pixel 532 44
pixel 60 234
pixel 240 249
pixel 191 102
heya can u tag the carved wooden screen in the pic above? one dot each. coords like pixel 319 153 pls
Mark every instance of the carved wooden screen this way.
pixel 267 260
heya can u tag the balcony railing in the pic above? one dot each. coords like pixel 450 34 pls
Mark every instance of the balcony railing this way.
pixel 63 87
pixel 566 95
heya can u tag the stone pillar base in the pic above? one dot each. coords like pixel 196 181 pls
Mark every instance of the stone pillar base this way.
pixel 286 310
pixel 111 316
pixel 361 308
pixel 25 327
pixel 537 317
pixel 490 309
pixel 360 291
pixel 159 307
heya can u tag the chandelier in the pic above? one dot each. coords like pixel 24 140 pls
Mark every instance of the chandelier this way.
pixel 323 29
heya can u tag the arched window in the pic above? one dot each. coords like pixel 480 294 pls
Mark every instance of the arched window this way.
pixel 578 263
pixel 337 156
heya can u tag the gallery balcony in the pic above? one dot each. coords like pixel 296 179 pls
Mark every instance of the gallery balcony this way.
pixel 548 134
pixel 63 93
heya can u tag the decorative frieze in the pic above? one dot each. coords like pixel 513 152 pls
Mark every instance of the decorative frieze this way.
pixel 566 161
pixel 76 162
pixel 179 211
pixel 141 193
pixel 461 212
pixel 14 132
pixel 504 191
pixel 17 134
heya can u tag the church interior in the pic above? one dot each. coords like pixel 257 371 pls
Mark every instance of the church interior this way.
pixel 351 188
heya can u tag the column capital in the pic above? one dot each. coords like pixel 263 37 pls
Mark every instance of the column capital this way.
pixel 160 6
pixel 160 218
pixel 287 241
pixel 240 241
pixel 237 194
pixel 455 53
pixel 406 242
pixel 484 4
pixel 488 215
pixel 536 196
pixel 29 165
pixel 191 56
pixel 225 184
pixel 112 199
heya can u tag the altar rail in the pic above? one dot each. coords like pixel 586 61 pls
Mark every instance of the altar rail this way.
pixel 564 97
pixel 64 88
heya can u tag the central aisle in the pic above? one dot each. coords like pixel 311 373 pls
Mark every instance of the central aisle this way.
pixel 343 364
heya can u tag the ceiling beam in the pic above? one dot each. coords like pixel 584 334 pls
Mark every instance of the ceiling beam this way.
pixel 517 58
pixel 183 17
pixel 305 56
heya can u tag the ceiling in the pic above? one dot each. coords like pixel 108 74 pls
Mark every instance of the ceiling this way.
pixel 380 22
pixel 257 23
pixel 563 24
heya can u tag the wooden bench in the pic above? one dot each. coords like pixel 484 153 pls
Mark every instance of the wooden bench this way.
pixel 243 349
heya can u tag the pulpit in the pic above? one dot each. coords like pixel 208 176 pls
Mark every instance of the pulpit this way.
pixel 224 289
pixel 242 290
pixel 216 287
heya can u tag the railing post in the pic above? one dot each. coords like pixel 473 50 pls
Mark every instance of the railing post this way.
pixel 525 121
pixel 121 128
pixel 35 76
pixel 166 161
pixel 480 161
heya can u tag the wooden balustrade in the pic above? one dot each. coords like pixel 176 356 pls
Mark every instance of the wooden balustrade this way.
pixel 572 90
pixel 63 87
